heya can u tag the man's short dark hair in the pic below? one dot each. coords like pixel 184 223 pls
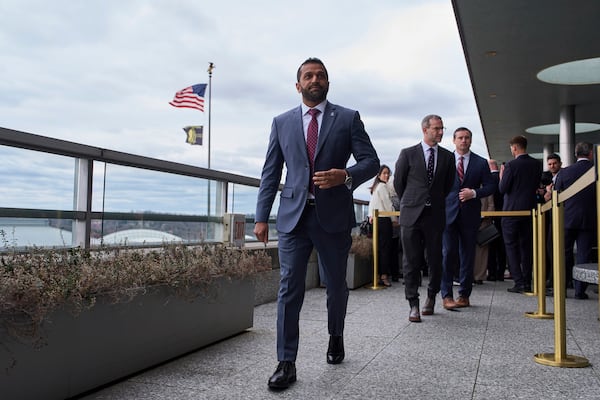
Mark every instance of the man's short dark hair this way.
pixel 519 141
pixel 311 60
pixel 553 156
pixel 462 128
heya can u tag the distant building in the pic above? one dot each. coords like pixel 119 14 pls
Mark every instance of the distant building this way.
pixel 29 232
pixel 137 236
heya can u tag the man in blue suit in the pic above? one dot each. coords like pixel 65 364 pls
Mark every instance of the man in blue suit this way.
pixel 473 181
pixel 519 181
pixel 314 141
pixel 579 213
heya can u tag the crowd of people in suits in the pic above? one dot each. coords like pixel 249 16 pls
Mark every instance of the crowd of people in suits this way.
pixel 478 185
pixel 439 193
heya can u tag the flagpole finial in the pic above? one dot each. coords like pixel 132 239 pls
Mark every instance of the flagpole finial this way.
pixel 211 66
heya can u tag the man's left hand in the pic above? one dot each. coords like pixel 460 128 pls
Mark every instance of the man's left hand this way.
pixel 330 178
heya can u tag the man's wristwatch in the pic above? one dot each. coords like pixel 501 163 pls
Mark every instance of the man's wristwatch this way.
pixel 348 180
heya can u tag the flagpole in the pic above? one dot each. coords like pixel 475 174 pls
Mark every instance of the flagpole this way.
pixel 211 66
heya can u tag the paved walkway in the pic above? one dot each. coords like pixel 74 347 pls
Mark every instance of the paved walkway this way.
pixel 482 352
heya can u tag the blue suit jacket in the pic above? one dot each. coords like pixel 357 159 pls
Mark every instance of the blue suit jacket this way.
pixel 342 135
pixel 519 183
pixel 478 177
pixel 580 210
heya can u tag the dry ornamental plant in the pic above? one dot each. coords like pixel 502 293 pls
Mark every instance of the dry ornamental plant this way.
pixel 36 282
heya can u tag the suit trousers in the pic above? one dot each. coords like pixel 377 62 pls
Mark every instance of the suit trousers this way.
pixel 497 255
pixel 459 241
pixel 422 238
pixel 518 240
pixel 295 249
pixel 585 240
pixel 386 250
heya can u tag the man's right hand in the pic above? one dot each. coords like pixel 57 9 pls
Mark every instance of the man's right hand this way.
pixel 261 230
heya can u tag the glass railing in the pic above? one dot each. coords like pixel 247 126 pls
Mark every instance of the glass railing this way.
pixel 73 195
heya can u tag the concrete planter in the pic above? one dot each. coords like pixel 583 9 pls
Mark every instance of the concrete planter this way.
pixel 359 271
pixel 111 341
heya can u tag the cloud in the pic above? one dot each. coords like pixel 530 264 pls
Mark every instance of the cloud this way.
pixel 102 72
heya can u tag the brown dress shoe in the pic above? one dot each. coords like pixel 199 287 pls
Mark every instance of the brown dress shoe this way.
pixel 448 303
pixel 462 302
pixel 414 315
pixel 428 306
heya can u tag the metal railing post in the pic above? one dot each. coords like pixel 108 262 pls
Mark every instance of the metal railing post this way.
pixel 559 358
pixel 539 272
pixel 375 285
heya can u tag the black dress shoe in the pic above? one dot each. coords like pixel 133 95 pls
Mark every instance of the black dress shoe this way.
pixel 335 351
pixel 581 296
pixel 414 315
pixel 284 375
pixel 515 289
pixel 428 306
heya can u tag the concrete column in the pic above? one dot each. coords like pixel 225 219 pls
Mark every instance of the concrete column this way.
pixel 82 201
pixel 566 138
pixel 548 149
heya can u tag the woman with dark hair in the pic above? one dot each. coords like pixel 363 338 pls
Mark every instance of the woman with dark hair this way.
pixel 381 199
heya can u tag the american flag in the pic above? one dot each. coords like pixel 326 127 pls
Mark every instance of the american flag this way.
pixel 190 97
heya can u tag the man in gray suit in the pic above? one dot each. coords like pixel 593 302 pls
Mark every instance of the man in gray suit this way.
pixel 423 178
pixel 314 141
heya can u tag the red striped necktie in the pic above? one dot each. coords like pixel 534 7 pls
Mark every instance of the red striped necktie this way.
pixel 312 136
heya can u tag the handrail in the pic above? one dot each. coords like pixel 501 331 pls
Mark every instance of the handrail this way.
pixel 85 155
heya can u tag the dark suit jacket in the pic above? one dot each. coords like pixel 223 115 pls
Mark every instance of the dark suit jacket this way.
pixel 498 198
pixel 519 183
pixel 580 210
pixel 342 135
pixel 478 177
pixel 410 182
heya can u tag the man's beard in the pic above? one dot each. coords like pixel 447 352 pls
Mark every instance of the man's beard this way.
pixel 315 97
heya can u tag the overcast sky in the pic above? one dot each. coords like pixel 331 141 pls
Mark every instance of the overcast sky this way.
pixel 103 72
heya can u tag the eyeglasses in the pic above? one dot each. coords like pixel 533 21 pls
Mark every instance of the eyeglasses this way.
pixel 438 128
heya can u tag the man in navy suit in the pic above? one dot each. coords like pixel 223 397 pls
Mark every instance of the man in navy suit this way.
pixel 519 181
pixel 315 207
pixel 579 213
pixel 423 178
pixel 463 216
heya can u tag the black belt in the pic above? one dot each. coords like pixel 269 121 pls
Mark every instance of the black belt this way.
pixel 310 202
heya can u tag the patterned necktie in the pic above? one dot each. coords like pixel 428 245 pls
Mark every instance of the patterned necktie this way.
pixel 460 170
pixel 312 136
pixel 430 164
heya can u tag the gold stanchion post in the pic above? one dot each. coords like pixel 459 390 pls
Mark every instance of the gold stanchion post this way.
pixel 375 255
pixel 540 265
pixel 559 358
pixel 534 250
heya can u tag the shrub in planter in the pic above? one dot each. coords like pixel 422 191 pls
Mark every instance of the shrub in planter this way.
pixel 36 282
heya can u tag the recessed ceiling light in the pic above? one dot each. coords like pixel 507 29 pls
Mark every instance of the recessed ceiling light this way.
pixel 554 129
pixel 581 72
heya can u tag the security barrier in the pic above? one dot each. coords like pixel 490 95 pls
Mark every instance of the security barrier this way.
pixel 376 215
pixel 559 358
